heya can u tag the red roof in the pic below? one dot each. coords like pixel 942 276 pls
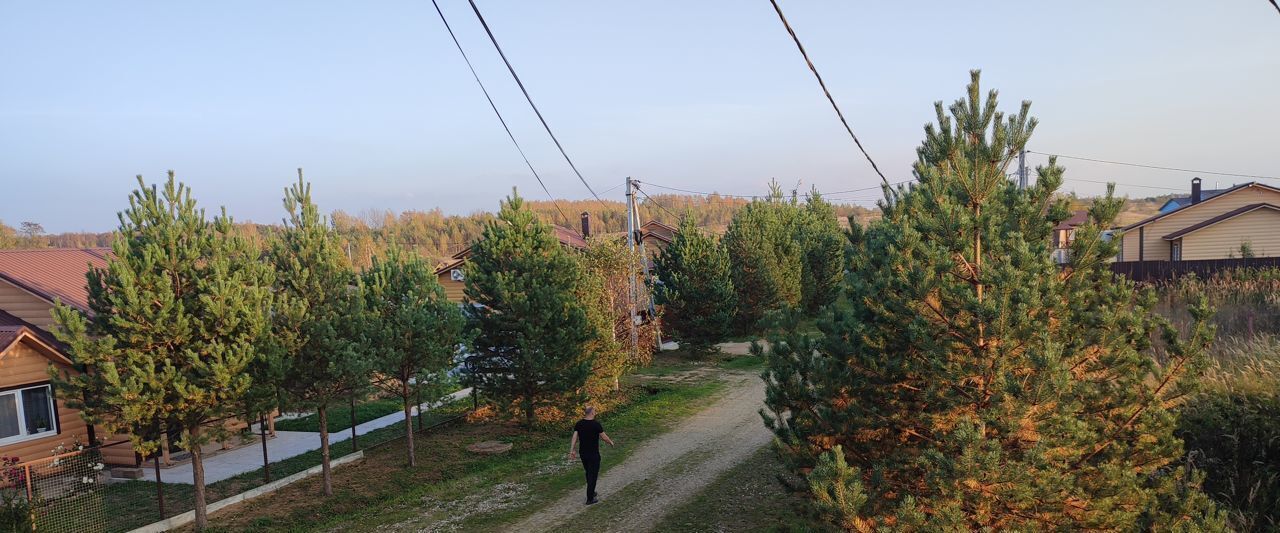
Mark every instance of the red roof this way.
pixel 1077 218
pixel 566 236
pixel 53 273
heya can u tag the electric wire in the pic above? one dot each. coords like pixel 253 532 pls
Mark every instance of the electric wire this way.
pixel 495 110
pixel 823 84
pixel 1157 167
pixel 655 202
pixel 512 70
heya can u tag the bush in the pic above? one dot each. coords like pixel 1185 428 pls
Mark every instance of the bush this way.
pixel 1232 432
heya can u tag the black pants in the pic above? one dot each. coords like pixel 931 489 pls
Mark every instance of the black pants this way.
pixel 591 463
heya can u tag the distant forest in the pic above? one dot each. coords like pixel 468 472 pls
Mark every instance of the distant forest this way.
pixel 436 235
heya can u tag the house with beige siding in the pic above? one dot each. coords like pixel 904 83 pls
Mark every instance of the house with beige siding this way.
pixel 1234 222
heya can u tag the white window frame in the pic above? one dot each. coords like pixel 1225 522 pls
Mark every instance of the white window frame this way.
pixel 22 435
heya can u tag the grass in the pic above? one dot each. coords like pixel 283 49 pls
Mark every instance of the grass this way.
pixel 749 497
pixel 451 482
pixel 133 504
pixel 340 416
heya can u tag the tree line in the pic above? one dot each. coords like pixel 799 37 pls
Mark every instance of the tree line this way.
pixel 436 235
pixel 192 322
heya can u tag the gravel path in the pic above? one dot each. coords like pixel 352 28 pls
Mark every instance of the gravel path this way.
pixel 669 469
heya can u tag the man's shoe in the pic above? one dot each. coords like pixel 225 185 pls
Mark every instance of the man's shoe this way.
pixel 592 501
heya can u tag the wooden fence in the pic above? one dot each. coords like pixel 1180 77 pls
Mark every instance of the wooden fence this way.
pixel 1155 271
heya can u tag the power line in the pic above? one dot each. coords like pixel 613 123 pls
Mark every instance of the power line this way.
pixel 752 196
pixel 1157 167
pixel 512 70
pixel 823 84
pixel 495 110
pixel 655 202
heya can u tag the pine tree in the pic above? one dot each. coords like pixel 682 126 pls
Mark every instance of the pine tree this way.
pixel 530 331
pixel 411 330
pixel 176 319
pixel 824 245
pixel 316 317
pixel 765 257
pixel 970 384
pixel 695 289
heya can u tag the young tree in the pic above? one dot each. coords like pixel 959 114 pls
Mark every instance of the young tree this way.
pixel 609 268
pixel 529 329
pixel 411 329
pixel 316 318
pixel 971 384
pixel 824 245
pixel 765 257
pixel 695 289
pixel 176 317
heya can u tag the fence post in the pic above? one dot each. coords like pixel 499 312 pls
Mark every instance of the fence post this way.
pixel 31 495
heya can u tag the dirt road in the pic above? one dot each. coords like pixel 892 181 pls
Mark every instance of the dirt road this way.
pixel 667 470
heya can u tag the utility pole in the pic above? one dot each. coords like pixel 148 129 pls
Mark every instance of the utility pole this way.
pixel 1022 169
pixel 647 275
pixel 631 273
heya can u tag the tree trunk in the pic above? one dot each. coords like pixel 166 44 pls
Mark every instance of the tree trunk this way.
pixel 159 484
pixel 271 423
pixel 419 398
pixel 354 444
pixel 266 462
pixel 528 410
pixel 197 473
pixel 325 473
pixel 408 425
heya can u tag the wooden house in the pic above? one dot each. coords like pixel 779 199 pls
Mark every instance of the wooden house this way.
pixel 1234 222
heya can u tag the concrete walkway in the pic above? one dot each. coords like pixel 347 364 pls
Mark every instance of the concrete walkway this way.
pixel 286 444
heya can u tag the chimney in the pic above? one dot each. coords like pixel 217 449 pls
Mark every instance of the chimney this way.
pixel 1195 191
pixel 586 224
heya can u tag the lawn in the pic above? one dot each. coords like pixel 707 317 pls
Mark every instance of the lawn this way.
pixel 470 491
pixel 132 504
pixel 340 416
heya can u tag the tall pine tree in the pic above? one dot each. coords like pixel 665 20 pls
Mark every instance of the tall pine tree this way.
pixel 695 289
pixel 529 329
pixel 411 330
pixel 765 256
pixel 175 321
pixel 316 318
pixel 824 247
pixel 970 384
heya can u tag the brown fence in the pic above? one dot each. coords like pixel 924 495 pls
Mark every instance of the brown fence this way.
pixel 1153 271
pixel 59 493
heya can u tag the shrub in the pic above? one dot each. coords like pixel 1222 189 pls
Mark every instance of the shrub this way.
pixel 1232 432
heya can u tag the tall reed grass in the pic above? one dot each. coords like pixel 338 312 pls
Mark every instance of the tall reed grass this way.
pixel 1231 429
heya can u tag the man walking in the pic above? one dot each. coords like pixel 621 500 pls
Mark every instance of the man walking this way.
pixel 586 436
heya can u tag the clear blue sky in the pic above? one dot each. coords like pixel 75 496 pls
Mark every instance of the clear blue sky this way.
pixel 374 102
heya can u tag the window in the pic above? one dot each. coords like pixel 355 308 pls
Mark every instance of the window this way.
pixel 27 413
pixel 1175 251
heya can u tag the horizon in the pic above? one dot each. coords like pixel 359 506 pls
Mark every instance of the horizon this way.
pixel 378 108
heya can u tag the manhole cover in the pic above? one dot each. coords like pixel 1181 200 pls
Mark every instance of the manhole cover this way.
pixel 489 447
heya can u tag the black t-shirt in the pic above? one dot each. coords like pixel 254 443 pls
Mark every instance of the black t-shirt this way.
pixel 588 437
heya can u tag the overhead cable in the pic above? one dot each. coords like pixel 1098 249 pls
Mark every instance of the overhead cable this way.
pixel 495 110
pixel 823 84
pixel 512 70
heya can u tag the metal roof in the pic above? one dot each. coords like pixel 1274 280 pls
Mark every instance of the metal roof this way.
pixel 53 273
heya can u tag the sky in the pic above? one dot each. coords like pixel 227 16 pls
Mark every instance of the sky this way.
pixel 374 102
